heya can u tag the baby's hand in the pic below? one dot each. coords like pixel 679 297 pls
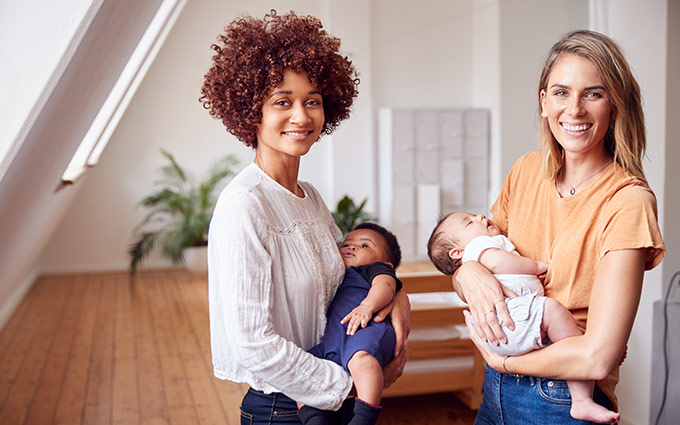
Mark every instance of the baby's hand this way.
pixel 542 269
pixel 361 315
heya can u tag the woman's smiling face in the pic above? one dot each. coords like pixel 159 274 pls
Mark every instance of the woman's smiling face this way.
pixel 576 105
pixel 292 117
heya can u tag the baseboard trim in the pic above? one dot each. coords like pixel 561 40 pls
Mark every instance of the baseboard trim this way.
pixel 104 267
pixel 9 307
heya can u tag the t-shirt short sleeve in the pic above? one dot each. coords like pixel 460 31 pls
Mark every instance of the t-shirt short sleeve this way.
pixel 633 225
pixel 475 248
pixel 369 272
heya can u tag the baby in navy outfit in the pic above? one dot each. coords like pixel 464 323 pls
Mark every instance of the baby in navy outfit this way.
pixel 351 339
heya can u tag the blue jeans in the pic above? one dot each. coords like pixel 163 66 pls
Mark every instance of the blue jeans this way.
pixel 517 399
pixel 258 408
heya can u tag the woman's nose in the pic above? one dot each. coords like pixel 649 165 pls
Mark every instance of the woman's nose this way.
pixel 300 115
pixel 576 106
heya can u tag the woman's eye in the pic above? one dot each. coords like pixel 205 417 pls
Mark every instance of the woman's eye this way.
pixel 281 102
pixel 314 102
pixel 594 95
pixel 560 93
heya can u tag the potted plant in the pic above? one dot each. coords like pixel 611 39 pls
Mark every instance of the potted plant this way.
pixel 347 214
pixel 179 212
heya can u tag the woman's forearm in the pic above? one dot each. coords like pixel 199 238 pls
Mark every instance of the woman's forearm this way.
pixel 613 305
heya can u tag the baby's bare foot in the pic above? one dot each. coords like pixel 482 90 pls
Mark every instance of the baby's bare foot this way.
pixel 588 410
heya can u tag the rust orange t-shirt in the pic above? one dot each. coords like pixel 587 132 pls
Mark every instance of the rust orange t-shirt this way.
pixel 617 211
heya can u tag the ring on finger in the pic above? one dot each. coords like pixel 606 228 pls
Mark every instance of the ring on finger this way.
pixel 499 301
pixel 490 311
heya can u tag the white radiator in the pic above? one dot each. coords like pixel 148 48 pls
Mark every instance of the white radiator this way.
pixel 671 408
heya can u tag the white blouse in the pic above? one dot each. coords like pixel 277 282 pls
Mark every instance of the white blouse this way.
pixel 273 268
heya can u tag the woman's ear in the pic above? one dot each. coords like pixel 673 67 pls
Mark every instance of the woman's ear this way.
pixel 541 98
pixel 456 253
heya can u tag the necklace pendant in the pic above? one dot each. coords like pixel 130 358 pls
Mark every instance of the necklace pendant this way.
pixel 572 191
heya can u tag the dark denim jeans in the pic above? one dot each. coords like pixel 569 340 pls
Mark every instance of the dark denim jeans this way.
pixel 512 399
pixel 258 408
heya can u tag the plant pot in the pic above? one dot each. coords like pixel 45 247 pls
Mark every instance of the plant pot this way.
pixel 196 259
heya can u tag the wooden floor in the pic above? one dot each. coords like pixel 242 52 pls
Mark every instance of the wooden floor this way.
pixel 96 349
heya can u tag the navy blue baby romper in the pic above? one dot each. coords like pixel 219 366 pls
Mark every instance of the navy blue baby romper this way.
pixel 378 339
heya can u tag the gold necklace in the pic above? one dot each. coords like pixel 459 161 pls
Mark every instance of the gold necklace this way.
pixel 573 188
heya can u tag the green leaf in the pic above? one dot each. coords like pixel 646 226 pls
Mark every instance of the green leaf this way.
pixel 179 211
pixel 141 248
pixel 347 214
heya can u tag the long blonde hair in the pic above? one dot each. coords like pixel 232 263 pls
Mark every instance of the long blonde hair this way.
pixel 626 139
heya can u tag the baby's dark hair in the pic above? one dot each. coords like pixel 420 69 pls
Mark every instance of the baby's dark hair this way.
pixel 391 243
pixel 438 247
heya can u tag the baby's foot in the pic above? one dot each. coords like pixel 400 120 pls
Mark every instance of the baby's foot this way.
pixel 588 410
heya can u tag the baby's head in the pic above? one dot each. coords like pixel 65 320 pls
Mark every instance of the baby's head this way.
pixel 450 236
pixel 368 243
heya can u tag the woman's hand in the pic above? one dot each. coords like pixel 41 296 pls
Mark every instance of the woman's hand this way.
pixel 394 368
pixel 494 360
pixel 399 310
pixel 486 297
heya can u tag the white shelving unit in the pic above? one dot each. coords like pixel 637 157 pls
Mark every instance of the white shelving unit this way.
pixel 431 162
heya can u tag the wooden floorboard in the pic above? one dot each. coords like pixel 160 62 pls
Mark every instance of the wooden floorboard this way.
pixel 46 316
pixel 100 349
pixel 47 392
pixel 16 340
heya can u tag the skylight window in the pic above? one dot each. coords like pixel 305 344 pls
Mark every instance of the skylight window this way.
pixel 91 147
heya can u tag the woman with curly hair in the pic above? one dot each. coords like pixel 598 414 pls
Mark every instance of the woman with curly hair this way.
pixel 277 84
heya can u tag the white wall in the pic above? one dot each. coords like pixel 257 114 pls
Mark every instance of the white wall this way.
pixel 52 128
pixel 641 30
pixel 486 81
pixel 165 112
pixel 422 53
pixel 40 37
pixel 672 173
pixel 439 38
pixel 527 30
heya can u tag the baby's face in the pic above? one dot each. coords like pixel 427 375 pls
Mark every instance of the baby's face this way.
pixel 362 247
pixel 464 227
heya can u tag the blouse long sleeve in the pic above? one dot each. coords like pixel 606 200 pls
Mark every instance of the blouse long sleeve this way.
pixel 269 291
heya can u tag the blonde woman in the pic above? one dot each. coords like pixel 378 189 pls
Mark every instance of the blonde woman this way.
pixel 582 205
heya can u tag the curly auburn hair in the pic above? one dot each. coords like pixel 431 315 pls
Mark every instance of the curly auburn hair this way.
pixel 251 58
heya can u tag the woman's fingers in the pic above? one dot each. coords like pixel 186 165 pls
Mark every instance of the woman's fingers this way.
pixel 494 360
pixel 484 311
pixel 504 313
pixel 475 337
pixel 482 292
pixel 401 323
pixel 507 292
pixel 488 327
pixel 393 369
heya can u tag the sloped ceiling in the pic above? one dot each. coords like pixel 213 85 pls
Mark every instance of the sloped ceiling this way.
pixel 29 205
